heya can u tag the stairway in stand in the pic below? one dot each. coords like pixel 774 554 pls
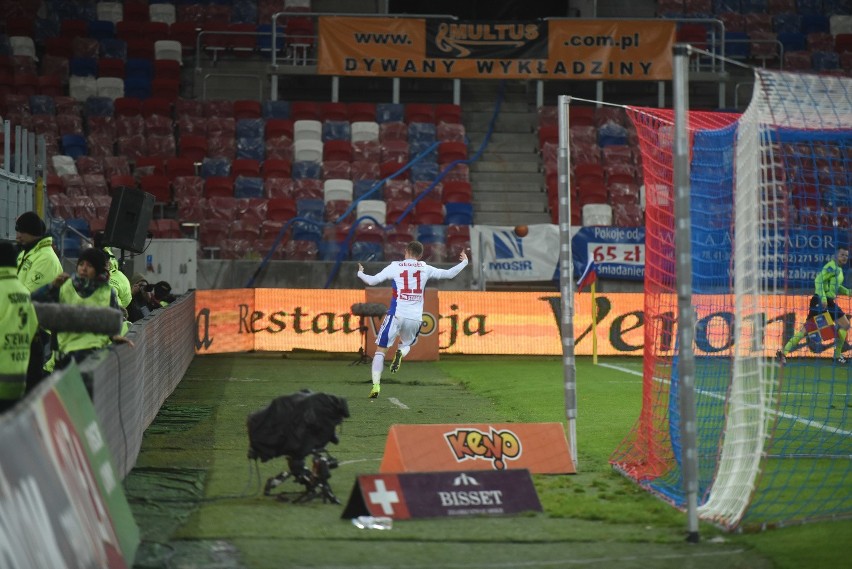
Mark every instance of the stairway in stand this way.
pixel 508 185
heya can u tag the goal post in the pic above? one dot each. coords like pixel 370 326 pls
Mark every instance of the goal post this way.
pixel 770 200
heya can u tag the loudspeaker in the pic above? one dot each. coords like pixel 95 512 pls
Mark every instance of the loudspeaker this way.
pixel 129 216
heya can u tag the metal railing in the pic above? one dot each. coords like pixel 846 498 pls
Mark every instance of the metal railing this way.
pixel 21 187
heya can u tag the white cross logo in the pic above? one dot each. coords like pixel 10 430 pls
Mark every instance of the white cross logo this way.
pixel 386 499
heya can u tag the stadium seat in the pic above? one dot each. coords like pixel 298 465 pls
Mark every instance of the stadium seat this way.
pixel 305 110
pixel 247 109
pixel 362 112
pixel 335 130
pixel 448 113
pixel 458 213
pixel 275 109
pixel 276 168
pixel 597 214
pixel 369 239
pixel 192 147
pixel 333 111
pixel 307 150
pixel 337 189
pixel 364 170
pixel 307 188
pixel 304 129
pixel 364 131
pixel 245 167
pixel 218 186
pixel 419 113
pixel 157 185
pixel 281 209
pixel 457 191
pixel 390 112
pixel 337 150
pixel 162 12
pixel 248 187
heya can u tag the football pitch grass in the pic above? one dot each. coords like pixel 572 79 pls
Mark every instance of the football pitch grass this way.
pixel 198 503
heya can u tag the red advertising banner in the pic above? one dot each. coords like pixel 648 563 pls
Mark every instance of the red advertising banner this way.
pixel 555 49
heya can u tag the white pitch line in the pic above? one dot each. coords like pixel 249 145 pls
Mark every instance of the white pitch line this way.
pixel 797 419
pixel 398 403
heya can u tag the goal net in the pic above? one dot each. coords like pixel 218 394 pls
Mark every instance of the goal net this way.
pixel 770 202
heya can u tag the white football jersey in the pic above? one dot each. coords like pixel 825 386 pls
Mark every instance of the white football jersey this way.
pixel 408 279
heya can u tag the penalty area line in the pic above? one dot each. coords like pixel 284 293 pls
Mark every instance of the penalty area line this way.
pixel 801 420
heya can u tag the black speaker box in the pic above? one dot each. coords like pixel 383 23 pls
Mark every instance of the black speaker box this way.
pixel 128 220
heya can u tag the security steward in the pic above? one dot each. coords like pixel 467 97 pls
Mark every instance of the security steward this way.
pixel 18 326
pixel 37 265
pixel 87 286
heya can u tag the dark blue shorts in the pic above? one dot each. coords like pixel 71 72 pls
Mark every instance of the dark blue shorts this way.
pixel 831 308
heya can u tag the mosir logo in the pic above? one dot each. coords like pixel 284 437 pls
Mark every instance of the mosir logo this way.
pixel 496 446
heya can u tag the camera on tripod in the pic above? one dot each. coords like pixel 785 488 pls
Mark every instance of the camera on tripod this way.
pixel 298 426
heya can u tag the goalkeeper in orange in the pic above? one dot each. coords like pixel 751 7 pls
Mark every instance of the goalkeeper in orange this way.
pixel 827 285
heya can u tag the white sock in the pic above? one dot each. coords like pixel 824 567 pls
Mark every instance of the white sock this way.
pixel 378 364
pixel 405 350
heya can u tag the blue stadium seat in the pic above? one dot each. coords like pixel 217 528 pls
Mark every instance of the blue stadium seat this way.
pixel 275 109
pixel 74 145
pixel 825 60
pixel 251 147
pixel 753 6
pixel 612 134
pixel 390 112
pixel 83 66
pixel 737 45
pixel 99 107
pixel 42 105
pixel 424 171
pixel 329 249
pixel 304 169
pixel 458 213
pixel 313 209
pixel 135 67
pixel 305 231
pixel 243 12
pixel 137 87
pixel 786 23
pixel 793 41
pixel 248 187
pixel 362 187
pixel 113 48
pixel 250 128
pixel 431 233
pixel 421 132
pixel 336 130
pixel 101 29
pixel 215 167
pixel 810 7
pixel 420 146
pixel 364 251
pixel 815 24
pixel 264 42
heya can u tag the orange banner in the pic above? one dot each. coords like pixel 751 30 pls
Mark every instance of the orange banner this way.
pixel 556 49
pixel 611 49
pixel 541 448
pixel 523 323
